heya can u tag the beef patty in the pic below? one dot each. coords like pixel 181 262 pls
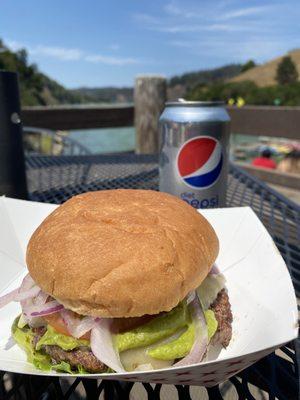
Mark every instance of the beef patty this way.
pixel 83 355
pixel 222 310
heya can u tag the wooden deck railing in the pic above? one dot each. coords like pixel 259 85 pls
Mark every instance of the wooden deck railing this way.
pixel 248 120
pixel 266 121
pixel 78 117
pixel 150 94
pixel 274 177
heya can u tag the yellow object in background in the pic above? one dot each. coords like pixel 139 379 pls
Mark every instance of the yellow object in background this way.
pixel 240 102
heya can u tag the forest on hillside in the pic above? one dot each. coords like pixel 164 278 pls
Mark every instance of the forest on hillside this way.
pixel 37 88
pixel 285 92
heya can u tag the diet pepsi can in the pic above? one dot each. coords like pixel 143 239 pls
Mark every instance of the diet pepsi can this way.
pixel 194 146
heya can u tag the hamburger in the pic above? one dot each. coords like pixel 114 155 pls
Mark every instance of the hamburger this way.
pixel 121 280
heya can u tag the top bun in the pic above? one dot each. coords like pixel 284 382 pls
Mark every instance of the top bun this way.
pixel 122 253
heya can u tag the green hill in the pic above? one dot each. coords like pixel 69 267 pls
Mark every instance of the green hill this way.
pixel 206 76
pixel 38 89
pixel 35 87
pixel 265 74
pixel 105 94
pixel 178 86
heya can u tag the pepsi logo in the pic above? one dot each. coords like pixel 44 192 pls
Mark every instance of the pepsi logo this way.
pixel 199 162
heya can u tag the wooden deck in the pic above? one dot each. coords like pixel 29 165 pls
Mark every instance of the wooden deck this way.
pixel 248 120
pixel 291 194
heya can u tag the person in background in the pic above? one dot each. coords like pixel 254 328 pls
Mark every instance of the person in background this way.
pixel 291 163
pixel 265 160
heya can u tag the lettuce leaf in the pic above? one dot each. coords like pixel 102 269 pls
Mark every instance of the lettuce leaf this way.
pixel 66 367
pixel 181 346
pixel 148 334
pixel 52 337
pixel 24 338
pixel 211 322
pixel 159 328
pixel 178 348
pixel 163 327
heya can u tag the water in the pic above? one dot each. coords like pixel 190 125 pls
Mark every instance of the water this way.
pixel 115 140
pixel 106 140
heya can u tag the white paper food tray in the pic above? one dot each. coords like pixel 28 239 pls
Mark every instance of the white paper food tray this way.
pixel 259 286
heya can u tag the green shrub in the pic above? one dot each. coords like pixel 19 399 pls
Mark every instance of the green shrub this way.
pixel 288 94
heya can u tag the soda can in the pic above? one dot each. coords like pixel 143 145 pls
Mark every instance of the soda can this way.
pixel 194 147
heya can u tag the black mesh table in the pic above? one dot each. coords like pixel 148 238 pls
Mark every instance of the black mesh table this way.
pixel 55 179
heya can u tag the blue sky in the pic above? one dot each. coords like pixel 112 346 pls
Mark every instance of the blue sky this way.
pixel 109 42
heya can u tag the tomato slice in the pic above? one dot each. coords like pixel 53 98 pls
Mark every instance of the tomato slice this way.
pixel 56 321
pixel 120 325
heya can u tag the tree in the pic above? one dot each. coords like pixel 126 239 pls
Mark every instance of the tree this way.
pixel 22 56
pixel 248 65
pixel 286 71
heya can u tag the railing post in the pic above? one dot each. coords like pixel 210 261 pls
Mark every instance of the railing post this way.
pixel 12 165
pixel 149 101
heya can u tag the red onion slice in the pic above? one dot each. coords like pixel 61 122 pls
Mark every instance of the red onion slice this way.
pixel 36 306
pixel 19 294
pixel 190 297
pixel 33 300
pixel 102 345
pixel 214 270
pixel 144 367
pixel 8 298
pixel 45 309
pixel 28 294
pixel 77 327
pixel 41 298
pixel 27 284
pixel 201 341
pixel 10 343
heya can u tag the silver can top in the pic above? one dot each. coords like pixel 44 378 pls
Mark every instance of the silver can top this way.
pixel 187 103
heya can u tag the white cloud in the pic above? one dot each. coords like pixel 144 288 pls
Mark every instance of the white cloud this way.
pixel 235 49
pixel 176 20
pixel 243 12
pixel 147 19
pixel 60 53
pixel 97 58
pixel 114 47
pixel 261 50
pixel 249 27
pixel 201 27
pixel 181 28
pixel 72 54
pixel 13 44
pixel 172 9
pixel 182 43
